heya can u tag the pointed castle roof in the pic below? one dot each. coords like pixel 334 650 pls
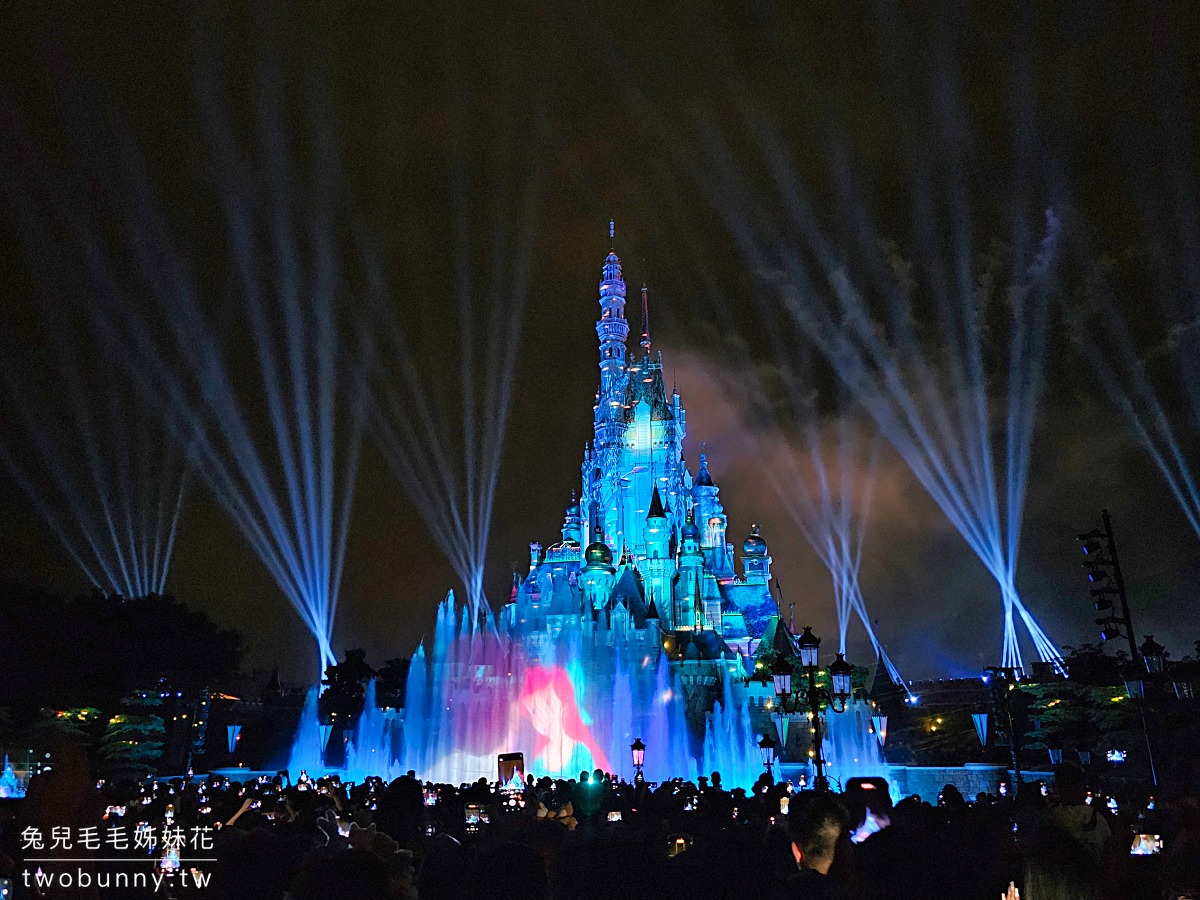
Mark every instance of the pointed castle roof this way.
pixel 656 507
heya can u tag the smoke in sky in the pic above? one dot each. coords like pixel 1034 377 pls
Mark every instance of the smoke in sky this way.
pixel 934 601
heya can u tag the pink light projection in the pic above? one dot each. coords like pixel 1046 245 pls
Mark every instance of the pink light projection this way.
pixel 548 697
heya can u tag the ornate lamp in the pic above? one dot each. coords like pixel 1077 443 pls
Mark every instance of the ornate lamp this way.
pixel 781 674
pixel 809 646
pixel 638 749
pixel 840 674
pixel 767 748
pixel 1153 655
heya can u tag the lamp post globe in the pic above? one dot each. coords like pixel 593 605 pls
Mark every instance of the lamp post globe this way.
pixel 638 749
pixel 1153 655
pixel 781 675
pixel 841 673
pixel 809 645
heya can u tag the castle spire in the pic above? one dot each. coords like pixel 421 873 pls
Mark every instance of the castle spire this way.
pixel 612 329
pixel 645 322
pixel 656 507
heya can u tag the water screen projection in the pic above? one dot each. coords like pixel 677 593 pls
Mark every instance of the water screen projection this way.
pixel 570 698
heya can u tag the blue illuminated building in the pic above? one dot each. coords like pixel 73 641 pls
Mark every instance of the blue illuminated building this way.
pixel 636 624
pixel 643 540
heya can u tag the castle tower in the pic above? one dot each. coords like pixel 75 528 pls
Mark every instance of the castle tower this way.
pixel 572 529
pixel 756 564
pixel 710 517
pixel 612 329
pixel 691 574
pixel 602 488
pixel 657 567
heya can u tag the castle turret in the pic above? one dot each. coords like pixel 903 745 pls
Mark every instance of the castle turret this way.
pixel 691 572
pixel 596 576
pixel 612 329
pixel 572 529
pixel 756 564
pixel 652 622
pixel 710 517
pixel 657 566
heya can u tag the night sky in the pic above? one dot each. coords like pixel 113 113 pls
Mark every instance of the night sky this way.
pixel 1090 107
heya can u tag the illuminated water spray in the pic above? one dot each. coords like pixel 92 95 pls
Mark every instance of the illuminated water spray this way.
pixel 571 700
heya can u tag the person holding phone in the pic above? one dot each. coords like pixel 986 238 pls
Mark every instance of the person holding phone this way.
pixel 1071 815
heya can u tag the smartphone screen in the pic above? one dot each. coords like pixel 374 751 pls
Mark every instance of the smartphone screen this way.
pixel 1146 845
pixel 869 826
pixel 473 814
pixel 614 816
pixel 511 771
pixel 170 860
pixel 678 843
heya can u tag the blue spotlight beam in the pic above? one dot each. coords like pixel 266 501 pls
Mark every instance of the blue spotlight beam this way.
pixel 1163 176
pixel 834 523
pixel 1126 381
pixel 451 473
pixel 949 454
pixel 104 477
pixel 946 444
pixel 298 527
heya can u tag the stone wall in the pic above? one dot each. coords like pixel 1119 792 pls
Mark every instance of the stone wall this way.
pixel 971 779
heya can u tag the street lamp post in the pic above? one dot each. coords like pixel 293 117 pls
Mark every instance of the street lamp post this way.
pixel 1003 680
pixel 840 675
pixel 766 747
pixel 638 749
pixel 1105 572
pixel 1153 656
pixel 781 677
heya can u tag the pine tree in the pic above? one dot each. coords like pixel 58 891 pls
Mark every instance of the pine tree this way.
pixel 132 742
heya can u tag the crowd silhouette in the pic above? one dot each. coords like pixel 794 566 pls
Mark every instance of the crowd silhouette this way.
pixel 295 837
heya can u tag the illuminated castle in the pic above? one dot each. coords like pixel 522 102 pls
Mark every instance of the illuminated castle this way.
pixel 634 625
pixel 643 546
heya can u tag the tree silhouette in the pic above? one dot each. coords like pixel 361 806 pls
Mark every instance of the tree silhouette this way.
pixel 345 684
pixel 132 741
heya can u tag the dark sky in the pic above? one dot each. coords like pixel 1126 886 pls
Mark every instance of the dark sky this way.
pixel 632 97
